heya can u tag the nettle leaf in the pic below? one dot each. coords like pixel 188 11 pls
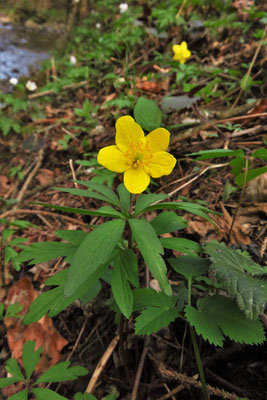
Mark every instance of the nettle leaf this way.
pixel 252 174
pixel 168 221
pixel 181 244
pixel 235 271
pixel 61 372
pixel 147 114
pixel 121 289
pixel 152 319
pixel 44 394
pixel 210 154
pixel 30 357
pixel 190 266
pixel 93 252
pixel 178 103
pixel 151 250
pixel 218 316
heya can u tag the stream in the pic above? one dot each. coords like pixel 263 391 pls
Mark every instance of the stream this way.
pixel 21 51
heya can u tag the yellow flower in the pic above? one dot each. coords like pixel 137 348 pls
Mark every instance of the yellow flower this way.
pixel 138 156
pixel 181 52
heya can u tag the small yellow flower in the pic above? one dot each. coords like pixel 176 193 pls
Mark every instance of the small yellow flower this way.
pixel 181 52
pixel 138 156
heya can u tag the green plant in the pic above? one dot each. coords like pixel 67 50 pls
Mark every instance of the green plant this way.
pixel 231 292
pixel 86 112
pixel 57 373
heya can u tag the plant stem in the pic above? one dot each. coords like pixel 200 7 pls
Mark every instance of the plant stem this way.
pixel 196 350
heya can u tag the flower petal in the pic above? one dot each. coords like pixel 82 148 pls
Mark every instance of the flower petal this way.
pixel 158 139
pixel 128 132
pixel 161 163
pixel 136 180
pixel 113 159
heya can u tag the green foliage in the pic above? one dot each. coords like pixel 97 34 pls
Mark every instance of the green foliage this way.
pixel 57 373
pixel 236 272
pixel 86 112
pixel 147 114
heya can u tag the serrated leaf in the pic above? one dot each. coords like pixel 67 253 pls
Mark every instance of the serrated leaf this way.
pixel 30 357
pixel 23 395
pixel 145 200
pixel 13 368
pixel 121 289
pixel 178 103
pixel 45 251
pixel 168 221
pixel 71 236
pixel 61 372
pixel 224 313
pixel 190 266
pixel 151 251
pixel 45 394
pixel 152 319
pixel 147 114
pixel 94 251
pixel 235 272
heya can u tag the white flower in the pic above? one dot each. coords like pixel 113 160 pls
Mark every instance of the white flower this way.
pixel 13 81
pixel 76 1
pixel 98 25
pixel 31 86
pixel 123 7
pixel 73 60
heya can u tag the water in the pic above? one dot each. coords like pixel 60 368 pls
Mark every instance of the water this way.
pixel 22 50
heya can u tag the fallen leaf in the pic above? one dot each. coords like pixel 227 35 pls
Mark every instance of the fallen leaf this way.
pixel 45 176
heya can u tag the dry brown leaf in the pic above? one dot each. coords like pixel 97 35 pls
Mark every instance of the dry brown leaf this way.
pixel 153 86
pixel 42 332
pixel 45 176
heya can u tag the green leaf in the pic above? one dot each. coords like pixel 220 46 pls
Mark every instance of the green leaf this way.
pixel 13 368
pixel 8 381
pixel 104 211
pixel 235 271
pixel 102 189
pixel 145 200
pixel 129 264
pixel 45 251
pixel 151 249
pixel 148 297
pixel 180 244
pixel 74 237
pixel 94 251
pixel 13 310
pixel 168 221
pixel 124 196
pixel 147 114
pixel 152 319
pixel 210 154
pixel 30 357
pixel 252 174
pixel 237 165
pixel 260 153
pixel 190 266
pixel 45 394
pixel 2 308
pixel 221 313
pixel 121 289
pixel 82 193
pixel 246 82
pixel 23 395
pixel 61 372
pixel 84 396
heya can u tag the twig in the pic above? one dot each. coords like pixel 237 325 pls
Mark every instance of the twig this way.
pixel 140 369
pixel 181 9
pixel 51 92
pixel 73 173
pixel 101 364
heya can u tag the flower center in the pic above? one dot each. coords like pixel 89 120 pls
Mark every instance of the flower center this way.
pixel 138 154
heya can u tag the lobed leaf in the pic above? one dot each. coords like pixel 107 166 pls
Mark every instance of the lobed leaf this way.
pixel 152 319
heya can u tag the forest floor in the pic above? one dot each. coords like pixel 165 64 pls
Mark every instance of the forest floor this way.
pixel 52 136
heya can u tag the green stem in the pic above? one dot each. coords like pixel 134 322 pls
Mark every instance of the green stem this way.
pixel 196 350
